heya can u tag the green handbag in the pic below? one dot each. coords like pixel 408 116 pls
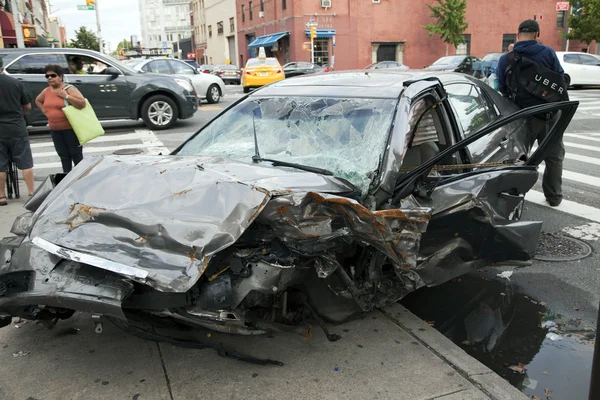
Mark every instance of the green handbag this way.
pixel 84 122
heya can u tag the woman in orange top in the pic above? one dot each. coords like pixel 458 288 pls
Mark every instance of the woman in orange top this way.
pixel 51 102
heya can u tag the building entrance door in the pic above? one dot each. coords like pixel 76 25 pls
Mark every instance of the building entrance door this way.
pixel 386 52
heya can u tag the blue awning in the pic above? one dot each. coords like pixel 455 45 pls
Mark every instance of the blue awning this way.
pixel 322 33
pixel 268 40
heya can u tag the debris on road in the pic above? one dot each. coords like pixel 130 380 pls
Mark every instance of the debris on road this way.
pixel 21 353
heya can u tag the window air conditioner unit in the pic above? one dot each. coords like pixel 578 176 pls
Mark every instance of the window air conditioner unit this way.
pixel 325 3
pixel 261 14
pixel 376 1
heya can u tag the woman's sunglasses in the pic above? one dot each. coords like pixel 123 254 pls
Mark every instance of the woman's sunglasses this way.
pixel 51 76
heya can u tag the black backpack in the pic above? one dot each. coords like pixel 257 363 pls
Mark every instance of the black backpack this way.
pixel 530 83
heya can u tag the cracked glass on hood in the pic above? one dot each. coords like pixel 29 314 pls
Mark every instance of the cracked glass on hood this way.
pixel 345 136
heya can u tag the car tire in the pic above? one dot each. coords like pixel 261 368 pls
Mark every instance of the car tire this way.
pixel 568 80
pixel 246 90
pixel 159 112
pixel 213 94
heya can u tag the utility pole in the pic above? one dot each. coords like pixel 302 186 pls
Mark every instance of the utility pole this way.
pixel 100 45
pixel 17 21
pixel 312 25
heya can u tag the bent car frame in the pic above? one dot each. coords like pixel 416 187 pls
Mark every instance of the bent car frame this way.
pixel 312 199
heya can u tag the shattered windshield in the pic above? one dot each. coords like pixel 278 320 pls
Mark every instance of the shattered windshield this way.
pixel 346 136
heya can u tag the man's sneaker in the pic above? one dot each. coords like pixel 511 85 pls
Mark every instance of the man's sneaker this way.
pixel 554 202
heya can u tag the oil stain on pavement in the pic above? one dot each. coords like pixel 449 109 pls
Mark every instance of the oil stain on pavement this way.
pixel 539 352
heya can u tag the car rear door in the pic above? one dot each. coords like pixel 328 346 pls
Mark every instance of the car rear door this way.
pixel 473 110
pixel 576 71
pixel 29 69
pixel 109 95
pixel 473 208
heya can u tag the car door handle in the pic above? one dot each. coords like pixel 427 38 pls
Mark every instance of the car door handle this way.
pixel 504 143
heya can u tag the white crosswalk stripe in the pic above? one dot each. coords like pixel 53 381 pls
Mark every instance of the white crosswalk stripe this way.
pixel 47 161
pixel 580 171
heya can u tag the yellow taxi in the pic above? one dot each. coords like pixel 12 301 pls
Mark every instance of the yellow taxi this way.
pixel 261 71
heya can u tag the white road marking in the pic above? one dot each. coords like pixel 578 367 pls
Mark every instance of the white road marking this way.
pixel 87 150
pixel 154 145
pixel 582 146
pixel 567 206
pixel 577 177
pixel 101 139
pixel 589 231
pixel 591 138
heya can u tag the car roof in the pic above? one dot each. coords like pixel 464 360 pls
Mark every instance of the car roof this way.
pixel 356 84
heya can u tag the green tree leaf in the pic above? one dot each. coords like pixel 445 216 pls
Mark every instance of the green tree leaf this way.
pixel 451 21
pixel 85 39
pixel 585 26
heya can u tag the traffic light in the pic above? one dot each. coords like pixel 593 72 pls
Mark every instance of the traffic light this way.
pixel 90 2
pixel 313 32
pixel 29 32
pixel 122 53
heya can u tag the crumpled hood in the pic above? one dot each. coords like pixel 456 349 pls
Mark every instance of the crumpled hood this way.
pixel 529 47
pixel 162 215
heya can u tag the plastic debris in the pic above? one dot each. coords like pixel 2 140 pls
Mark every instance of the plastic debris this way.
pixel 553 336
pixel 530 383
pixel 505 275
pixel 550 325
pixel 21 353
pixel 336 369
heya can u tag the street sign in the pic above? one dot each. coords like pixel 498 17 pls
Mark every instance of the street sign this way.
pixel 85 8
pixel 562 6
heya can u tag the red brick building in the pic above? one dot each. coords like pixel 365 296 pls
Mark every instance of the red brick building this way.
pixel 355 33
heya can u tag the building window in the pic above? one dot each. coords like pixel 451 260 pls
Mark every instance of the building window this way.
pixel 220 28
pixel 231 25
pixel 243 13
pixel 262 5
pixel 464 49
pixel 507 39
pixel 560 19
pixel 283 4
pixel 322 51
pixel 250 10
pixel 210 31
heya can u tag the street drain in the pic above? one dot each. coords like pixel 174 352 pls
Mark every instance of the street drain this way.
pixel 127 152
pixel 557 247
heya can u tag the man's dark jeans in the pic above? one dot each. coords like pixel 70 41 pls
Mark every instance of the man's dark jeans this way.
pixel 552 181
pixel 68 148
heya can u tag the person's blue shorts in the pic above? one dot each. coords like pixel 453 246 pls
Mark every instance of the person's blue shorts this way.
pixel 17 150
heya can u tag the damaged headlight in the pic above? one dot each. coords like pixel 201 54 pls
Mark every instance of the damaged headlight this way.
pixel 22 224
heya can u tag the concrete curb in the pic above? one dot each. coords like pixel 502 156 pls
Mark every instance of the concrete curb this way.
pixel 480 376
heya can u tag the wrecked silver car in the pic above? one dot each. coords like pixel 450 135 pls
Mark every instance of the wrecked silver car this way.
pixel 313 199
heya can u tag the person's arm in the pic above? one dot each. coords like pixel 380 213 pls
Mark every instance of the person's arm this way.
pixel 25 99
pixel 39 101
pixel 73 97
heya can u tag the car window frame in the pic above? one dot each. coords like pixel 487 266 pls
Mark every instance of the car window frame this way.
pixel 158 60
pixel 576 56
pixel 582 58
pixel 485 98
pixel 172 62
pixel 67 55
pixel 18 59
pixel 64 54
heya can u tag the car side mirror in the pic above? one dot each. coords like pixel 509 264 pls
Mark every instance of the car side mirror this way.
pixel 112 71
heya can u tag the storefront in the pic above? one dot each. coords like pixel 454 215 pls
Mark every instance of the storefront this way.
pixel 324 44
pixel 276 45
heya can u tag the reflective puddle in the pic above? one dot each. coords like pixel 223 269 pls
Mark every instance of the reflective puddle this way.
pixel 539 352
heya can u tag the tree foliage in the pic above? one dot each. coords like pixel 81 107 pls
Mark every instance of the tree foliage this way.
pixel 451 21
pixel 585 21
pixel 85 39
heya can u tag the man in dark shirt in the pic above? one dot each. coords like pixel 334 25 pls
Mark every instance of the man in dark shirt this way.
pixel 14 141
pixel 528 46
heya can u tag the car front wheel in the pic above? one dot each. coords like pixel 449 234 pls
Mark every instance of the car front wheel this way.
pixel 213 95
pixel 159 112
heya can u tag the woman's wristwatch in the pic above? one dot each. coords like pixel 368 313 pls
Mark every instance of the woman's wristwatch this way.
pixel 67 98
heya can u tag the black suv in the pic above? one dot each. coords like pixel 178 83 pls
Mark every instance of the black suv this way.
pixel 113 90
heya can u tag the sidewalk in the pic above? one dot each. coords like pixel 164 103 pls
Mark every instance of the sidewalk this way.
pixel 388 354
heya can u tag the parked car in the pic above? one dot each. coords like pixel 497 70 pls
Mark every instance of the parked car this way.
pixel 462 64
pixel 261 71
pixel 192 63
pixel 581 69
pixel 206 69
pixel 307 224
pixel 209 87
pixel 114 90
pixel 229 73
pixel 302 68
pixel 387 64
